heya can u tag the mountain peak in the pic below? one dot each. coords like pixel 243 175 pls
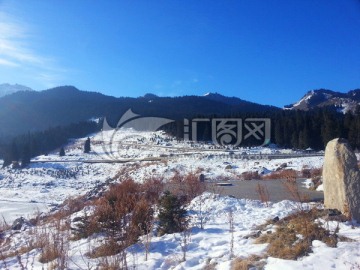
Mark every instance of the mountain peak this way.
pixel 327 98
pixel 150 96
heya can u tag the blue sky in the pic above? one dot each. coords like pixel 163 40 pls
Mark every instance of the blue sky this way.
pixel 270 52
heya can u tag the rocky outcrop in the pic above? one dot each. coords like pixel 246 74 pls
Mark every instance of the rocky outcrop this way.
pixel 341 178
pixel 20 224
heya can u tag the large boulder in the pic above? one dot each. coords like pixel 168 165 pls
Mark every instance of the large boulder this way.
pixel 341 178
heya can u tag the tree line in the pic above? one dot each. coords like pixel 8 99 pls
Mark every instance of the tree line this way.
pixel 289 129
pixel 24 147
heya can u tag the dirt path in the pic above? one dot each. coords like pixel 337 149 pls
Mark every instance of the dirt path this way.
pixel 276 189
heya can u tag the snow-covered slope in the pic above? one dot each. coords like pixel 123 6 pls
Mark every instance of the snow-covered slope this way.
pixel 343 102
pixel 49 180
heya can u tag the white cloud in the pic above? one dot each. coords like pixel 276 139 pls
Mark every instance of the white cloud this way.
pixel 4 62
pixel 18 53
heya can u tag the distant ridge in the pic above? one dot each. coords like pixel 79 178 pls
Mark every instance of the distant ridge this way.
pixel 38 110
pixel 342 102
pixel 7 89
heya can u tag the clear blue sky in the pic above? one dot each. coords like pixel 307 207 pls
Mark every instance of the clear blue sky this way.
pixel 266 51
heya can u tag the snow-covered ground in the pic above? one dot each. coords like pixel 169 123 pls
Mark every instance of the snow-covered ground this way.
pixel 49 180
pixel 212 244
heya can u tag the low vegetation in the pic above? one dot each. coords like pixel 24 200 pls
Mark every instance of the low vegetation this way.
pixel 294 235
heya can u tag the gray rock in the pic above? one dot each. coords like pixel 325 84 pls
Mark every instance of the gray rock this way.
pixel 341 179
pixel 20 223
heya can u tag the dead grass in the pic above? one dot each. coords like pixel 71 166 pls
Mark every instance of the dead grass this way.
pixel 263 193
pixel 109 248
pixel 247 263
pixel 294 235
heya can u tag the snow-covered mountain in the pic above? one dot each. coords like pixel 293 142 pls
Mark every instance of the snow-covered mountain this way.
pixel 7 89
pixel 342 102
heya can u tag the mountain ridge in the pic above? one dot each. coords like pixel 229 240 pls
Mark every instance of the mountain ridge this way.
pixel 8 89
pixel 320 98
pixel 27 111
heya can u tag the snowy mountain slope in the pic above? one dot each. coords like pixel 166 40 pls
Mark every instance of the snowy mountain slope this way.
pixel 326 98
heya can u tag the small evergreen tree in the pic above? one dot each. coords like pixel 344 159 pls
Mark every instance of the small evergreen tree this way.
pixel 14 152
pixel 87 146
pixel 26 156
pixel 62 152
pixel 172 215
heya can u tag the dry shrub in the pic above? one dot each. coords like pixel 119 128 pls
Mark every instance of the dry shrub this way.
pixel 288 174
pixel 117 262
pixel 70 206
pixel 316 178
pixel 317 172
pixel 241 264
pixel 27 247
pixel 193 185
pixel 293 189
pixel 186 186
pixel 4 226
pixel 284 242
pixel 51 241
pixel 74 204
pixel 123 214
pixel 250 176
pixel 247 263
pixel 125 172
pixel 109 248
pixel 263 194
pixel 305 173
pixel 54 246
pixel 153 188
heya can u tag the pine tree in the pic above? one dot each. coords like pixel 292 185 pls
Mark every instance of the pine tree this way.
pixel 26 156
pixel 14 152
pixel 62 152
pixel 87 146
pixel 172 215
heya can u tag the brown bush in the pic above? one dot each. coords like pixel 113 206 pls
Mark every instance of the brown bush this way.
pixel 288 174
pixel 186 186
pixel 317 172
pixel 305 173
pixel 123 214
pixel 152 188
pixel 250 176
pixel 112 209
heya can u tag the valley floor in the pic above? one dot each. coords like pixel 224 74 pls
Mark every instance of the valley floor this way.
pixel 49 180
